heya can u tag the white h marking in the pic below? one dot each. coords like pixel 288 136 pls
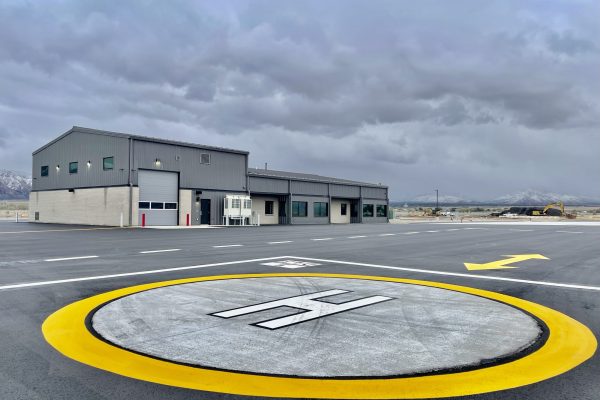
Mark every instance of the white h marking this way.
pixel 314 309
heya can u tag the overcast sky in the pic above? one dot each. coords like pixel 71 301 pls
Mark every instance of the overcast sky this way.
pixel 476 98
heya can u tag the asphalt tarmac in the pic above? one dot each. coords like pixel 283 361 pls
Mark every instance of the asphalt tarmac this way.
pixel 44 268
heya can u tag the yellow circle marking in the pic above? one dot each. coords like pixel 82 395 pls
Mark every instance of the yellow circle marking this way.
pixel 569 344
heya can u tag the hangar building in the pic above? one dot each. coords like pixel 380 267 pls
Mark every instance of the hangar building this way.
pixel 96 177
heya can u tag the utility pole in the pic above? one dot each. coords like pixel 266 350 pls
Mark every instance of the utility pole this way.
pixel 437 201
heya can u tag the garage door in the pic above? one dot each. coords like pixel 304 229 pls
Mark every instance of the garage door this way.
pixel 158 197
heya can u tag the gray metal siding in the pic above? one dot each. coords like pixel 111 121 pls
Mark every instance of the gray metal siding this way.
pixel 81 147
pixel 345 191
pixel 309 188
pixel 216 206
pixel 374 193
pixel 226 171
pixel 268 185
pixel 310 218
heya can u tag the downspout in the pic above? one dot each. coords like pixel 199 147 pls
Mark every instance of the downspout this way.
pixel 130 185
pixel 289 216
pixel 360 206
pixel 247 177
pixel 329 206
pixel 387 202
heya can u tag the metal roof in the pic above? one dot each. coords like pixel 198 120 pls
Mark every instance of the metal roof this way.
pixel 270 173
pixel 139 138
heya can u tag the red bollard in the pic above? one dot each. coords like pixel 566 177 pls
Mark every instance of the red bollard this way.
pixel 187 220
pixel 143 220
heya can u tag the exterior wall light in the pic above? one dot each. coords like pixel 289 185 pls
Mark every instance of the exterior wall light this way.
pixel 57 168
pixel 89 164
pixel 157 162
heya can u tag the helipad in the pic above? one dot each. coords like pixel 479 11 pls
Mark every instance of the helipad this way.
pixel 411 329
pixel 320 335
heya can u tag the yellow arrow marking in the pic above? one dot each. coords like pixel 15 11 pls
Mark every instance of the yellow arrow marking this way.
pixel 502 264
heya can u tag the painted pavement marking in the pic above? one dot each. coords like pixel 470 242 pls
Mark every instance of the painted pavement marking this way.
pixel 458 274
pixel 292 264
pixel 158 251
pixel 58 230
pixel 313 308
pixel 69 258
pixel 127 274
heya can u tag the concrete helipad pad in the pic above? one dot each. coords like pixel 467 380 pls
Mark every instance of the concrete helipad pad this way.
pixel 338 327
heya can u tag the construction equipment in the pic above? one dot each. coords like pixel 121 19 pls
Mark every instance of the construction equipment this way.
pixel 431 212
pixel 553 209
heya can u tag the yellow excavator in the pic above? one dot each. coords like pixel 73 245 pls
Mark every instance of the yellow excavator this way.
pixel 559 205
pixel 553 209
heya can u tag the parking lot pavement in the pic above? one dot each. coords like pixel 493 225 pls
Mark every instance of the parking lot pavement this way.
pixel 385 311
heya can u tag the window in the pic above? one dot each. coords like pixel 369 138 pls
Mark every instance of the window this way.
pixel 144 205
pixel 299 208
pixel 73 167
pixel 381 210
pixel 156 205
pixel 235 203
pixel 44 171
pixel 268 207
pixel 344 209
pixel 320 209
pixel 367 210
pixel 247 204
pixel 205 158
pixel 170 206
pixel 108 163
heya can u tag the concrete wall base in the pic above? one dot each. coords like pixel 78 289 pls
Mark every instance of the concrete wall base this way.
pixel 94 206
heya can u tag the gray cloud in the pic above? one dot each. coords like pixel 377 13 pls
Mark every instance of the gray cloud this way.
pixel 453 95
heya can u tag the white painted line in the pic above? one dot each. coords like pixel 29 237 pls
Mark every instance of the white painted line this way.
pixel 147 272
pixel 530 223
pixel 410 233
pixel 476 228
pixel 567 232
pixel 357 237
pixel 322 239
pixel 521 230
pixel 281 242
pixel 228 245
pixel 433 272
pixel 432 231
pixel 387 234
pixel 158 251
pixel 452 230
pixel 57 230
pixel 70 258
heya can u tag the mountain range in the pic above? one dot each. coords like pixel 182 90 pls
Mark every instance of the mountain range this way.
pixel 14 186
pixel 527 197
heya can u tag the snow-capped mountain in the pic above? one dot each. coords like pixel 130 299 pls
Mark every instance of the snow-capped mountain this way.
pixel 534 197
pixel 525 198
pixel 14 186
pixel 443 199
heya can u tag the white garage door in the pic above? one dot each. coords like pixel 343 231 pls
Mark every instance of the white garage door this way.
pixel 158 197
